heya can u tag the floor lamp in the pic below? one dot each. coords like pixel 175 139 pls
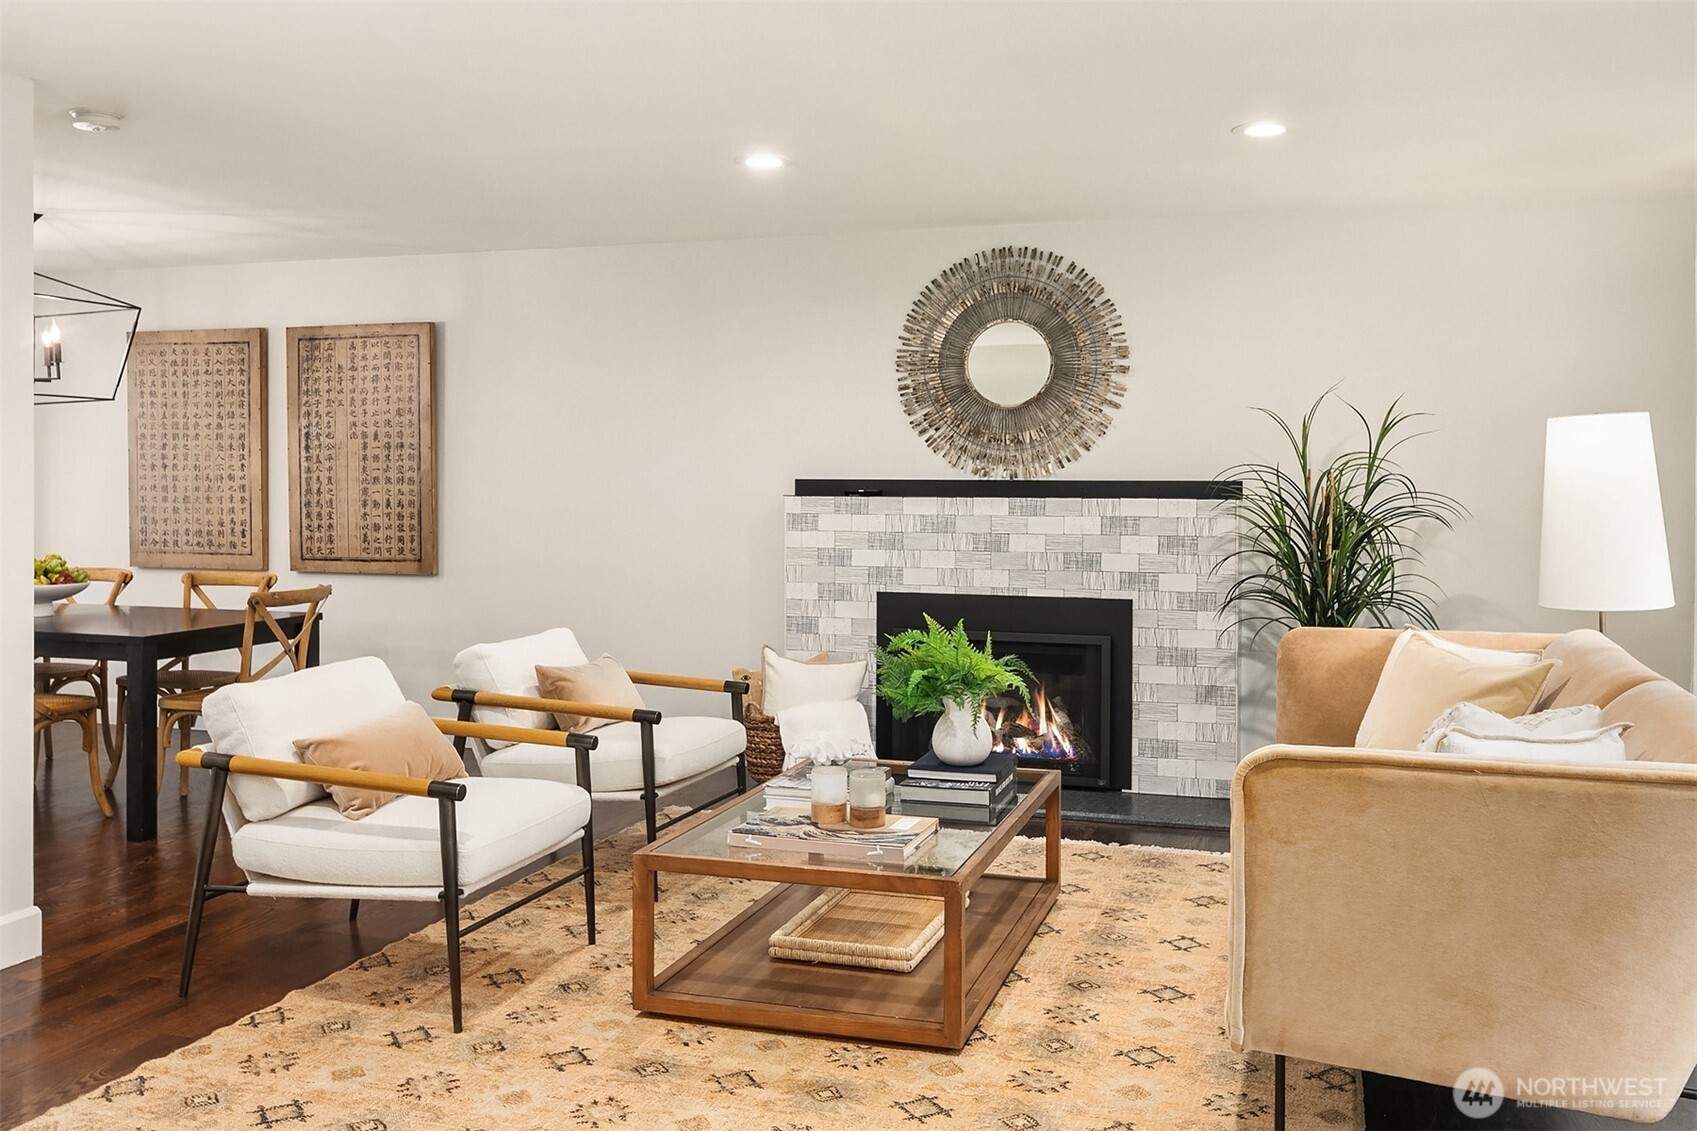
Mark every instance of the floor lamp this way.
pixel 1605 544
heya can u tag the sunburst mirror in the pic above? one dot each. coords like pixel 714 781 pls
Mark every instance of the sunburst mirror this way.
pixel 1011 363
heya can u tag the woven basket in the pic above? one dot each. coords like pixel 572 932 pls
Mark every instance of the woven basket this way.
pixel 765 748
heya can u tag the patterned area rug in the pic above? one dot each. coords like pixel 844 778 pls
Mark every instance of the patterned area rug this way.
pixel 1111 1021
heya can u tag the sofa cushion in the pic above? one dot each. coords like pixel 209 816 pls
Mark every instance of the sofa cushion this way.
pixel 405 741
pixel 1594 669
pixel 509 666
pixel 1326 677
pixel 500 825
pixel 1664 721
pixel 684 746
pixel 1425 680
pixel 262 719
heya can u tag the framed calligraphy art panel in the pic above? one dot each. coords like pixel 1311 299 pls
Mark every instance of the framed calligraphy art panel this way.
pixel 362 448
pixel 197 449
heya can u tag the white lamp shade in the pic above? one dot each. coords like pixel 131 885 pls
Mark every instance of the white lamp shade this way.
pixel 1605 545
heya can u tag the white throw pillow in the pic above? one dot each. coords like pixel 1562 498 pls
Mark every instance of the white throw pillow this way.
pixel 826 733
pixel 262 719
pixel 1566 734
pixel 792 683
pixel 1478 721
pixel 1601 745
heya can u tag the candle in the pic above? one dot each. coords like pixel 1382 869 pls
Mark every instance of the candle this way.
pixel 866 799
pixel 830 795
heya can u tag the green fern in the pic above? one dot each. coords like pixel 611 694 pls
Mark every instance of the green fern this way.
pixel 921 670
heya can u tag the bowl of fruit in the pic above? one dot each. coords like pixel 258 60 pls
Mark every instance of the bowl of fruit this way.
pixel 56 579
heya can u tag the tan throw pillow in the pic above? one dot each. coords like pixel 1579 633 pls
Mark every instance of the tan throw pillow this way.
pixel 602 682
pixel 1424 681
pixel 404 741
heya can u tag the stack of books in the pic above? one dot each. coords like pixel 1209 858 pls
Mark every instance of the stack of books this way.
pixel 792 830
pixel 792 789
pixel 930 781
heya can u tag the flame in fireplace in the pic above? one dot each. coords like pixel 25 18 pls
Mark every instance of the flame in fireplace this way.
pixel 1043 731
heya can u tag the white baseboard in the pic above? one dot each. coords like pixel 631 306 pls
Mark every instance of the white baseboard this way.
pixel 20 936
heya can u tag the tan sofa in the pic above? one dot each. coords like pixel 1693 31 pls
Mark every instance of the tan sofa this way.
pixel 1421 915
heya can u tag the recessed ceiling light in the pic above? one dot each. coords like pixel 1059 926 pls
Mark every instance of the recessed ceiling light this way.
pixel 763 161
pixel 1259 129
pixel 94 121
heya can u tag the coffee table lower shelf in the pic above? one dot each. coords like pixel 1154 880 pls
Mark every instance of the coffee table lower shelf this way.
pixel 730 978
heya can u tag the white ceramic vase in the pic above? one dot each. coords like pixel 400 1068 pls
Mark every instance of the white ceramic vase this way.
pixel 962 734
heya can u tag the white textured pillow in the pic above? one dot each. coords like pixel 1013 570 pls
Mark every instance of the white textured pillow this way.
pixel 262 719
pixel 1478 721
pixel 509 666
pixel 1601 745
pixel 793 683
pixel 829 732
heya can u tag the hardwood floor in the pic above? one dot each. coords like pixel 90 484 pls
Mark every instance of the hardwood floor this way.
pixel 104 998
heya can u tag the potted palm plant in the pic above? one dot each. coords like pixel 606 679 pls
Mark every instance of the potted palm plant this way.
pixel 937 670
pixel 1334 543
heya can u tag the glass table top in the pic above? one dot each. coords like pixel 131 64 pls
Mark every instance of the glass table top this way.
pixel 962 830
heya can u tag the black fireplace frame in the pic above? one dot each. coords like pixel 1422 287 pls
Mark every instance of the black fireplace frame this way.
pixel 1036 619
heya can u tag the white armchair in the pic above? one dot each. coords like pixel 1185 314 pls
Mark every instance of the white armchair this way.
pixel 440 840
pixel 640 756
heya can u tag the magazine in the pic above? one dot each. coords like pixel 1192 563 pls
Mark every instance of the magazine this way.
pixel 793 830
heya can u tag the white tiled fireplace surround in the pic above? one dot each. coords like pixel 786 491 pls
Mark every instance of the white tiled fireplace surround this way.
pixel 1166 553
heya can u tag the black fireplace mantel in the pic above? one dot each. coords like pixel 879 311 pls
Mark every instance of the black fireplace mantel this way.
pixel 1024 488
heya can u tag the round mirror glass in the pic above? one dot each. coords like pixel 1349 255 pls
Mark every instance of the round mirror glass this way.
pixel 1008 363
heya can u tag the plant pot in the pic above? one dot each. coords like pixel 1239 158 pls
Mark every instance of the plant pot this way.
pixel 962 735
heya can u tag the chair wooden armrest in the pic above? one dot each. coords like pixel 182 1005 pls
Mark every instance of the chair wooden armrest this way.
pixel 516 734
pixel 196 758
pixel 552 706
pixel 690 682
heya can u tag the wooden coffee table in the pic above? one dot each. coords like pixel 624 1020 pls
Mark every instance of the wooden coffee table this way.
pixel 728 977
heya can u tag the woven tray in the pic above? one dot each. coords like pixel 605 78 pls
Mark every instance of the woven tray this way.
pixel 862 928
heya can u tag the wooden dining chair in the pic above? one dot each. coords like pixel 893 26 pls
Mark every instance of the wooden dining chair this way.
pixel 54 707
pixel 55 675
pixel 177 675
pixel 182 708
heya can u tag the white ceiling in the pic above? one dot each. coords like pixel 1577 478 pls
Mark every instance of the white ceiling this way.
pixel 268 131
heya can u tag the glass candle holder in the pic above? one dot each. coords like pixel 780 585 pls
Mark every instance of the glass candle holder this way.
pixel 866 799
pixel 830 795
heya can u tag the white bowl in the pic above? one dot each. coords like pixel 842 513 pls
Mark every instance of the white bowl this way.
pixel 47 594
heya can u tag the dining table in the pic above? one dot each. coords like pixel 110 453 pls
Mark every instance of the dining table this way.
pixel 142 636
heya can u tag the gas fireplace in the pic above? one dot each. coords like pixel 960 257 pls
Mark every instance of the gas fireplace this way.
pixel 1079 651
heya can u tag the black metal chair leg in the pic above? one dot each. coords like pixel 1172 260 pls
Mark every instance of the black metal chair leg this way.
pixel 203 874
pixel 1279 1092
pixel 451 899
pixel 742 772
pixel 584 782
pixel 589 882
pixel 650 791
pixel 353 910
